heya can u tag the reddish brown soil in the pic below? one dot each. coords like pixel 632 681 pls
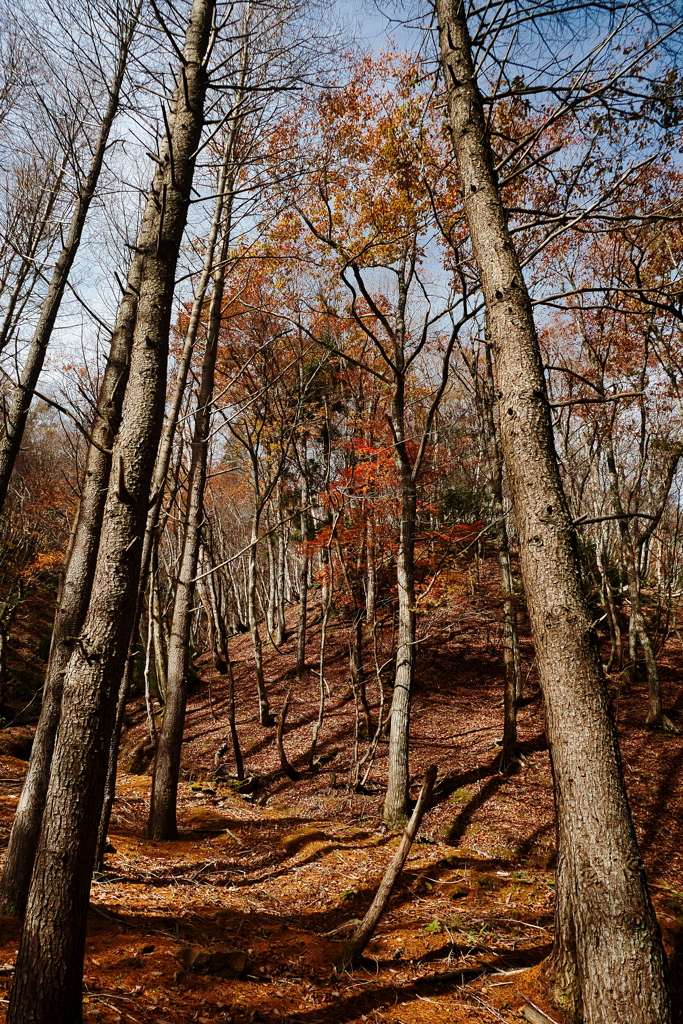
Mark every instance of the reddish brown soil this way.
pixel 282 872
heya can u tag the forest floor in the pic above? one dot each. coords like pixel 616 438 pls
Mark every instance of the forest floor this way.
pixel 281 870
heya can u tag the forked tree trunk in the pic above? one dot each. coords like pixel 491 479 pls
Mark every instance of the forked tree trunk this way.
pixel 15 420
pixel 49 970
pixel 602 889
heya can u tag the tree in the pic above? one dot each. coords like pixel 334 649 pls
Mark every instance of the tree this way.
pixel 397 174
pixel 82 552
pixel 48 980
pixel 162 811
pixel 596 938
pixel 15 419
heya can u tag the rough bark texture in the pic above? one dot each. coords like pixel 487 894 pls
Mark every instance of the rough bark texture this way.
pixel 619 954
pixel 71 609
pixel 80 566
pixel 49 970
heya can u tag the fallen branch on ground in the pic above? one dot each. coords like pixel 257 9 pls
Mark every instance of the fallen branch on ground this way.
pixel 365 930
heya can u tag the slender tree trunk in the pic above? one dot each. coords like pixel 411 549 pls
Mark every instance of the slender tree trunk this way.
pixel 160 663
pixel 281 581
pixel 162 822
pixel 272 586
pixel 656 719
pixel 232 721
pixel 619 955
pixel 113 760
pixel 265 717
pixel 303 587
pixel 365 930
pixel 49 970
pixel 396 801
pixel 512 668
pixel 322 682
pixel 15 420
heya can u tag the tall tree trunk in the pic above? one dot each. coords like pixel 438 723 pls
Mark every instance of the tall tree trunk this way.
pixel 303 585
pixel 15 420
pixel 272 586
pixel 656 719
pixel 265 717
pixel 49 970
pixel 512 666
pixel 162 822
pixel 619 955
pixel 281 577
pixel 155 513
pixel 72 607
pixel 77 581
pixel 396 805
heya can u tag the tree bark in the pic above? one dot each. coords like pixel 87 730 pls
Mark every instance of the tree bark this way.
pixel 162 822
pixel 80 566
pixel 49 970
pixel 265 717
pixel 619 955
pixel 395 808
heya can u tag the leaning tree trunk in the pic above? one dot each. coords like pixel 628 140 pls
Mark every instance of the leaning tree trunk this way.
pixel 619 956
pixel 15 420
pixel 161 466
pixel 72 606
pixel 80 566
pixel 49 970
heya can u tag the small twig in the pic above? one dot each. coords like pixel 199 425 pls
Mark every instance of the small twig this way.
pixel 524 924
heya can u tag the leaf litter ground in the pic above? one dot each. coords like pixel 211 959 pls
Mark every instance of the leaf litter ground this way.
pixel 283 870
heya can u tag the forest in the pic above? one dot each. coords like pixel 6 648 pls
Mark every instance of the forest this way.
pixel 341 534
